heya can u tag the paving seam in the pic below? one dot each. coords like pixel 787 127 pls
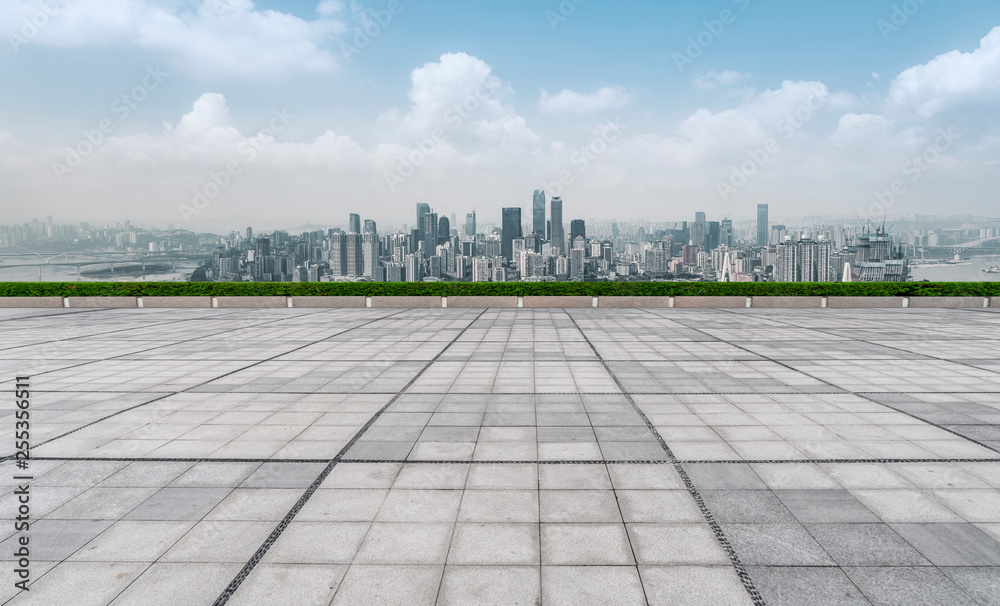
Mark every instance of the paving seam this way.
pixel 176 392
pixel 890 407
pixel 692 490
pixel 531 462
pixel 234 585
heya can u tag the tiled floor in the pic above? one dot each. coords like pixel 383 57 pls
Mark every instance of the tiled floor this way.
pixel 547 456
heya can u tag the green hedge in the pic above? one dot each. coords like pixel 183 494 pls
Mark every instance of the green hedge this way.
pixel 590 289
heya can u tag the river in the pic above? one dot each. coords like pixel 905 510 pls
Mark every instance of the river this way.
pixel 40 271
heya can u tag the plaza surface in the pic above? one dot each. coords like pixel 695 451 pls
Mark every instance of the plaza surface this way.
pixel 522 456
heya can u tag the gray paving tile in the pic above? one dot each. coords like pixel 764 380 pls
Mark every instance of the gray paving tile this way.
pixel 775 545
pixel 982 584
pixel 951 544
pixel 825 506
pixel 865 545
pixel 806 586
pixel 907 586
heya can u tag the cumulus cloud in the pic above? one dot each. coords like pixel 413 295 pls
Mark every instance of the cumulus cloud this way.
pixel 950 79
pixel 713 80
pixel 570 102
pixel 460 96
pixel 206 38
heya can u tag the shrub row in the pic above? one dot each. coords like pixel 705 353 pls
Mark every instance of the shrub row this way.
pixel 444 289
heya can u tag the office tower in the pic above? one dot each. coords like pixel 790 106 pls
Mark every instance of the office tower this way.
pixel 726 233
pixel 576 261
pixel 481 270
pixel 430 232
pixel 413 244
pixel 434 267
pixel 697 235
pixel 511 230
pixel 577 229
pixel 470 224
pixel 713 238
pixel 608 252
pixel 355 256
pixel 370 227
pixel 369 250
pixel 422 210
pixel 762 230
pixel 614 230
pixel 394 272
pixel 690 254
pixel 414 269
pixel 443 230
pixel 338 254
pixel 249 234
pixel 556 235
pixel 355 224
pixel 538 213
pixel 548 230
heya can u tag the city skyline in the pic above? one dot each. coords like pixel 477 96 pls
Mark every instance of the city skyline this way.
pixel 691 108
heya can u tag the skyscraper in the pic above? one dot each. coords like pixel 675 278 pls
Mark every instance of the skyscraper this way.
pixel 444 230
pixel 762 230
pixel 369 250
pixel 557 236
pixel 338 254
pixel 511 229
pixel 370 227
pixel 726 237
pixel 470 224
pixel 422 210
pixel 355 224
pixel 577 228
pixel 538 213
pixel 355 256
pixel 430 231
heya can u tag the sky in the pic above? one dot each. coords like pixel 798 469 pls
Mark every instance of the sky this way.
pixel 212 113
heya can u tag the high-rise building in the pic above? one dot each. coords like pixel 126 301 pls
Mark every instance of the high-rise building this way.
pixel 355 256
pixel 394 272
pixel 369 250
pixel 430 231
pixel 443 230
pixel 556 234
pixel 355 224
pixel 414 269
pixel 370 227
pixel 538 213
pixel 576 264
pixel 762 230
pixel 577 229
pixel 470 224
pixel 338 254
pixel 422 210
pixel 511 229
pixel 806 260
pixel 726 233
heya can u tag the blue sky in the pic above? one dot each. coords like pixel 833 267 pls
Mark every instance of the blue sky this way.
pixel 687 133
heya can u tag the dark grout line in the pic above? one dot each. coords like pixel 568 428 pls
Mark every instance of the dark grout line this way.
pixel 187 390
pixel 530 462
pixel 234 585
pixel 874 401
pixel 692 490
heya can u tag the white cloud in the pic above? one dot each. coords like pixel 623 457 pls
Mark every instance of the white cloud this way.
pixel 570 102
pixel 206 38
pixel 714 79
pixel 949 79
pixel 460 95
